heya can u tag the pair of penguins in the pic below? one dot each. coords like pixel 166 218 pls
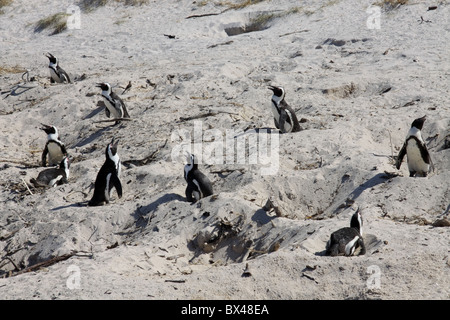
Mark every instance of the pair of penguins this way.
pixel 115 106
pixel 344 241
pixel 56 153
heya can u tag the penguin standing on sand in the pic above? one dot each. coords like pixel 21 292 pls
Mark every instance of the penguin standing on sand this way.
pixel 346 240
pixel 199 185
pixel 107 177
pixel 284 116
pixel 416 151
pixel 114 105
pixel 54 176
pixel 57 74
pixel 54 148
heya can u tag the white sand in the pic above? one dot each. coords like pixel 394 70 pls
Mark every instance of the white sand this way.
pixel 334 69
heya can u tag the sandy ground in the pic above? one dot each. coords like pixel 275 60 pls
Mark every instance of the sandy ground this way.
pixel 356 72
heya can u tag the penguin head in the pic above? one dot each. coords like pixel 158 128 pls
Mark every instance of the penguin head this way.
pixel 65 163
pixel 191 163
pixel 105 86
pixel 418 123
pixel 50 130
pixel 52 58
pixel 111 149
pixel 356 221
pixel 278 93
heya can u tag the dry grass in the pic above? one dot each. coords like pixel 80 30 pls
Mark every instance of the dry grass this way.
pixel 57 22
pixel 391 4
pixel 15 69
pixel 229 4
pixel 4 3
pixel 89 5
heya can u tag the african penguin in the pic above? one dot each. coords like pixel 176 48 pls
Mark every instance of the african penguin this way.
pixel 114 105
pixel 346 240
pixel 284 116
pixel 107 177
pixel 54 176
pixel 57 74
pixel 416 151
pixel 198 185
pixel 54 148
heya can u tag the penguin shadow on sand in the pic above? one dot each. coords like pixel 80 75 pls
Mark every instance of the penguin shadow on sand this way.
pixel 92 137
pixel 142 214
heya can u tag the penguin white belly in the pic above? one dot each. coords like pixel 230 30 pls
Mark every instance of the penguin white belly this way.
pixel 276 115
pixel 53 182
pixel 197 194
pixel 415 160
pixel 350 247
pixel 112 109
pixel 54 154
pixel 55 76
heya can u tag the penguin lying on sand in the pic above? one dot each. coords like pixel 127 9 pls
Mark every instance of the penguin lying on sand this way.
pixel 53 177
pixel 107 177
pixel 346 240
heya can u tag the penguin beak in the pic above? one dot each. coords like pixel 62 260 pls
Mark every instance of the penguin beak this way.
pixel 49 55
pixel 99 85
pixel 271 88
pixel 114 143
pixel 45 127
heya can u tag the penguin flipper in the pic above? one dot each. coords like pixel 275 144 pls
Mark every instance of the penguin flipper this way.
pixel 362 246
pixel 295 125
pixel 125 112
pixel 63 76
pixel 189 190
pixel 115 182
pixel 107 112
pixel 283 120
pixel 44 156
pixel 277 125
pixel 400 157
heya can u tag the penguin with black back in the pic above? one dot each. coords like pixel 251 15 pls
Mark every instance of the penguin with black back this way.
pixel 53 177
pixel 57 74
pixel 198 184
pixel 345 241
pixel 416 151
pixel 107 177
pixel 284 116
pixel 54 150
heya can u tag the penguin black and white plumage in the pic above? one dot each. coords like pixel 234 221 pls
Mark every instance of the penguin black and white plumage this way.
pixel 346 240
pixel 107 177
pixel 57 74
pixel 416 151
pixel 198 185
pixel 114 104
pixel 54 176
pixel 284 116
pixel 54 149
